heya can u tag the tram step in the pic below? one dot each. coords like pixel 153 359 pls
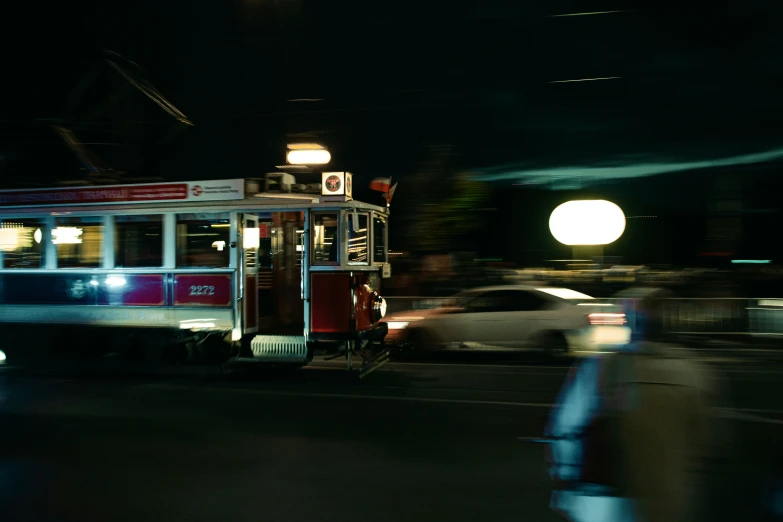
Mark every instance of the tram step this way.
pixel 279 348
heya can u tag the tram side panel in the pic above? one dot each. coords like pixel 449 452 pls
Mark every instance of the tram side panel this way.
pixel 56 312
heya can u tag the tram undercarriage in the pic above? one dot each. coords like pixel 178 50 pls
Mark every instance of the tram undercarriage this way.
pixel 43 345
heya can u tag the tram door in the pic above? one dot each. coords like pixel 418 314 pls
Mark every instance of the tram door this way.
pixel 251 241
pixel 267 298
pixel 288 249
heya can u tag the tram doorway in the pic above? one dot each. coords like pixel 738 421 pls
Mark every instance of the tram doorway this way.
pixel 279 279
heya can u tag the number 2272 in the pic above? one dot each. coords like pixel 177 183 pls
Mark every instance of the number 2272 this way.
pixel 202 290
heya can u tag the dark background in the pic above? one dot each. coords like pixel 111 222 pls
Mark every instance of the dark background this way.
pixel 381 83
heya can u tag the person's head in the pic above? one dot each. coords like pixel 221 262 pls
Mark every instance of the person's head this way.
pixel 649 312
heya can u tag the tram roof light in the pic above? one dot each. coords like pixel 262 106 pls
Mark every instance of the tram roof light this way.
pixel 308 157
pixel 304 146
pixel 587 222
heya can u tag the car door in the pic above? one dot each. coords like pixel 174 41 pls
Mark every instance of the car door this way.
pixel 460 325
pixel 492 319
pixel 514 318
pixel 532 315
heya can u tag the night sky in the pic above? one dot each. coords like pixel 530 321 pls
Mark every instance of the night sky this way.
pixel 380 82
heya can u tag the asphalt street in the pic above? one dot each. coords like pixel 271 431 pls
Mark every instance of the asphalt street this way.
pixel 413 441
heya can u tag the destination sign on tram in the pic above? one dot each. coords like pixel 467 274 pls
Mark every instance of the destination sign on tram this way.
pixel 216 190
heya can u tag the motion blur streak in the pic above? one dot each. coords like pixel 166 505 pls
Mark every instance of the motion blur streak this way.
pixel 624 171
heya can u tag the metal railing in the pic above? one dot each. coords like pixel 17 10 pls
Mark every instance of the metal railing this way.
pixel 686 316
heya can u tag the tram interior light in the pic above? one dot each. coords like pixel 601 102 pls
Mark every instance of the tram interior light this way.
pixel 587 222
pixel 2 357
pixel 67 235
pixel 38 235
pixel 251 238
pixel 9 239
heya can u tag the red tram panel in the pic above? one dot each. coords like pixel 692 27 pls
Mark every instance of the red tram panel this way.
pixel 202 290
pixel 251 301
pixel 145 290
pixel 330 297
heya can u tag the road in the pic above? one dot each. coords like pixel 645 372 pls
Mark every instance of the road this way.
pixel 413 441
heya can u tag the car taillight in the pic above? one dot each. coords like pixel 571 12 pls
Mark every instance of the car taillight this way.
pixel 606 318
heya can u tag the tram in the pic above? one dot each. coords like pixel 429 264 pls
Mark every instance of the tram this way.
pixel 251 270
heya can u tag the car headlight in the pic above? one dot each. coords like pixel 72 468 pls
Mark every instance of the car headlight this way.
pixel 2 357
pixel 397 325
pixel 378 308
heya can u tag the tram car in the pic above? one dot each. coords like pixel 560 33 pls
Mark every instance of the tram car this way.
pixel 254 270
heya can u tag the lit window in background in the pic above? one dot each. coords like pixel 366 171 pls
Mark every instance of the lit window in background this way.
pixel 20 242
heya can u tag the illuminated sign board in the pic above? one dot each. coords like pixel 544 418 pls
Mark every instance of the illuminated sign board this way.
pixel 215 190
pixel 337 184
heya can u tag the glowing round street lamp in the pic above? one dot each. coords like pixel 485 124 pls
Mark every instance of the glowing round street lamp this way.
pixel 587 222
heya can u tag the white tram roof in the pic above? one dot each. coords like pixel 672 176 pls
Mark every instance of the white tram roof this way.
pixel 191 196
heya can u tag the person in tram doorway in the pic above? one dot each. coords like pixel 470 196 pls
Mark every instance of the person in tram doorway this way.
pixel 633 432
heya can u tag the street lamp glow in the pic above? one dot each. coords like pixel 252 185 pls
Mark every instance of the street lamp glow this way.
pixel 308 157
pixel 587 222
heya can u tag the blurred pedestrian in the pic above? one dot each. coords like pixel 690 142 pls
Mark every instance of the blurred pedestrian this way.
pixel 633 431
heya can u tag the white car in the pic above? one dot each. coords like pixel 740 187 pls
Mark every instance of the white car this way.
pixel 500 318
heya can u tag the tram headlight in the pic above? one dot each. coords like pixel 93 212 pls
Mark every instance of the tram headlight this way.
pixel 379 308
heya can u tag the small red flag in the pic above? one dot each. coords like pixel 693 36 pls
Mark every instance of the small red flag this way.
pixel 388 195
pixel 381 184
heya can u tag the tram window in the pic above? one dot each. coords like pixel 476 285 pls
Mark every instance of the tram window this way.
pixel 379 240
pixel 326 241
pixel 358 240
pixel 79 242
pixel 21 241
pixel 138 241
pixel 203 240
pixel 265 254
